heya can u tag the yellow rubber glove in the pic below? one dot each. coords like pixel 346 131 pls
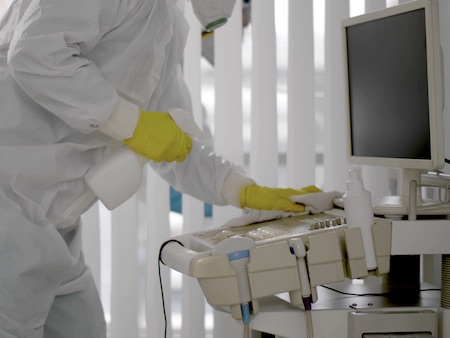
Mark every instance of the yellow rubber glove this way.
pixel 257 197
pixel 158 138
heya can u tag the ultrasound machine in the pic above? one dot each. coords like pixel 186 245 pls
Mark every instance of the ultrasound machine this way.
pixel 306 276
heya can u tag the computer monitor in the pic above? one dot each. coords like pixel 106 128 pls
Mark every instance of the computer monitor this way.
pixel 394 81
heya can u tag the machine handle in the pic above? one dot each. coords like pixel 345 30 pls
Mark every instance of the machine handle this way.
pixel 179 258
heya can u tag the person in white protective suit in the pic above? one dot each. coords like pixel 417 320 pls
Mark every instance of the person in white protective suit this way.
pixel 79 80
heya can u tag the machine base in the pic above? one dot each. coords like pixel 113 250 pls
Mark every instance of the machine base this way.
pixel 334 313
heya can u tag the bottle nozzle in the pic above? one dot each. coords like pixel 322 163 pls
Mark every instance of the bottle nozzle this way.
pixel 353 175
pixel 354 182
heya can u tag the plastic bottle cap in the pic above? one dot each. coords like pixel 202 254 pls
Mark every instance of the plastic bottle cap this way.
pixel 354 183
pixel 353 175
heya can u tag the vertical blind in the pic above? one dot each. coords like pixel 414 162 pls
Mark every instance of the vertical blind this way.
pixel 306 92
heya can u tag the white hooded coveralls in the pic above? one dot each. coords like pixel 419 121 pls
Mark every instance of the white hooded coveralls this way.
pixel 66 67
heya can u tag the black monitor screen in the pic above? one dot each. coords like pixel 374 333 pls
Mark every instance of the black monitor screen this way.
pixel 388 89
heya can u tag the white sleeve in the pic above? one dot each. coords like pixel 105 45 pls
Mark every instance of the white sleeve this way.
pixel 232 186
pixel 205 175
pixel 122 122
pixel 47 57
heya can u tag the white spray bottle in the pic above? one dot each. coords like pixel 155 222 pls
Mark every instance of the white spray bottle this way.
pixel 118 178
pixel 359 213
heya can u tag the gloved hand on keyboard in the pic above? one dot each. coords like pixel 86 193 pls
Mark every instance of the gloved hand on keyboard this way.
pixel 158 138
pixel 264 198
pixel 316 202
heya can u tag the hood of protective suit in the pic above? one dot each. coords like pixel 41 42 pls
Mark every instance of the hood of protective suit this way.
pixel 213 13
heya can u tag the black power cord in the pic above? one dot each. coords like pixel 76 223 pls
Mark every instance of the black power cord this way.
pixel 160 280
pixel 381 294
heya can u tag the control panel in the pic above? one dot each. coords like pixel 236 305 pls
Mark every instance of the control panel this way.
pixel 272 231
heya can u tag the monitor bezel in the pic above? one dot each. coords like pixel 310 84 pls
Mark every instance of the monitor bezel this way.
pixel 435 87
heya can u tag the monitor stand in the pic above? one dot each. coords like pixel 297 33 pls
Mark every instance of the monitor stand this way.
pixel 410 203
